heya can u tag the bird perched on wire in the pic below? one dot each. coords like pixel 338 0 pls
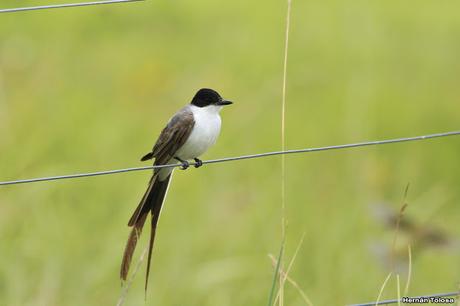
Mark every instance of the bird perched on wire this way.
pixel 188 134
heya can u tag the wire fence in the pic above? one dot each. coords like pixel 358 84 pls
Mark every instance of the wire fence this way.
pixel 423 299
pixel 64 5
pixel 227 159
pixel 417 299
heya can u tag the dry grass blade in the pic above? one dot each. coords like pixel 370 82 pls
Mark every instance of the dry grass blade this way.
pixel 398 222
pixel 383 288
pixel 284 275
pixel 275 275
pixel 292 282
pixel 295 254
pixel 283 145
pixel 409 270
pixel 127 285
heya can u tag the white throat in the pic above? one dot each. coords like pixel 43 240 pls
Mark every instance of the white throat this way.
pixel 204 133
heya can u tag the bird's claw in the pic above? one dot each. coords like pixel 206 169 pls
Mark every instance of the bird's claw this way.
pixel 198 162
pixel 185 165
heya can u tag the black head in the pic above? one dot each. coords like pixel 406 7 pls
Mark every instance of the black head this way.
pixel 207 96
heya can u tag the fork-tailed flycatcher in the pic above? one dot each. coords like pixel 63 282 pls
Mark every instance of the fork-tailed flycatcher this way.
pixel 188 134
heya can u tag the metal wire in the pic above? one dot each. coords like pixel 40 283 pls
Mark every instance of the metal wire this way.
pixel 227 159
pixel 394 301
pixel 53 6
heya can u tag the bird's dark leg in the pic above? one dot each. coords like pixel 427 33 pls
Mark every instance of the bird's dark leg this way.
pixel 198 162
pixel 185 163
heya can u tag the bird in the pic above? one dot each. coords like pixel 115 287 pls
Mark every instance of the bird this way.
pixel 188 134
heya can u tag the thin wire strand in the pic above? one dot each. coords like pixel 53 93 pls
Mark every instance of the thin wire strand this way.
pixel 227 159
pixel 394 301
pixel 64 5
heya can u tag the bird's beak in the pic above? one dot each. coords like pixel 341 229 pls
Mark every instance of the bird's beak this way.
pixel 224 102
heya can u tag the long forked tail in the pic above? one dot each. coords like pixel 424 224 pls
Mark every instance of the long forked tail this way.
pixel 151 202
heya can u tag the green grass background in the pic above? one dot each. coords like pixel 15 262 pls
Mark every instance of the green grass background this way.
pixel 89 89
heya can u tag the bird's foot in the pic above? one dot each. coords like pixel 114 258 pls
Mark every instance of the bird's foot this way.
pixel 185 164
pixel 198 162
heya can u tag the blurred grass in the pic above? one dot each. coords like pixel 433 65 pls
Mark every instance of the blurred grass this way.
pixel 79 89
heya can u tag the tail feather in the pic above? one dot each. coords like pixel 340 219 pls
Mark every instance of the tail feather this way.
pixel 143 207
pixel 131 246
pixel 156 210
pixel 151 201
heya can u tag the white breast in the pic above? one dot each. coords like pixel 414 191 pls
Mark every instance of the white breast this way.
pixel 204 133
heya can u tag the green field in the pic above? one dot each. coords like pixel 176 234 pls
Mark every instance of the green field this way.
pixel 79 91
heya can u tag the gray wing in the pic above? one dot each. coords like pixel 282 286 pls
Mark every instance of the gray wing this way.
pixel 172 137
